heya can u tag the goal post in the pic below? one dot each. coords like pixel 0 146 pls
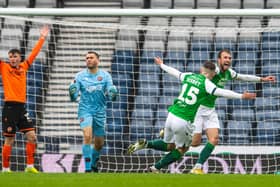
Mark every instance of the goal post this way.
pixel 128 41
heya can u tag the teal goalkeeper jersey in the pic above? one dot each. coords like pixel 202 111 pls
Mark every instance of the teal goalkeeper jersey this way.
pixel 192 94
pixel 219 80
pixel 93 89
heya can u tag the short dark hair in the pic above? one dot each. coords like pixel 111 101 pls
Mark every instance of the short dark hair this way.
pixel 223 50
pixel 14 51
pixel 209 65
pixel 95 53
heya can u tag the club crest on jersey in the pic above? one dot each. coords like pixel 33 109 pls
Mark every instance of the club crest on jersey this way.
pixel 99 78
pixel 81 120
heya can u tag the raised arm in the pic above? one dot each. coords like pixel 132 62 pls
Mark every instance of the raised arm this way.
pixel 172 71
pixel 35 51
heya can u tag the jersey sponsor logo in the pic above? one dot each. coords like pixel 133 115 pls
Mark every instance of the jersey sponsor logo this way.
pixel 91 89
pixel 99 78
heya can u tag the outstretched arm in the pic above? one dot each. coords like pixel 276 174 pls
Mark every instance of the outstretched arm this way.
pixel 253 78
pixel 212 89
pixel 35 51
pixel 172 71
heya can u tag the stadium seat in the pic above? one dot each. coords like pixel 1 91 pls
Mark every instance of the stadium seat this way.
pixel 240 88
pixel 182 21
pixel 221 114
pixel 165 101
pixel 128 34
pixel 268 133
pixel 207 4
pixel 221 103
pixel 267 115
pixel 164 4
pixel 179 36
pixel 272 4
pixel 184 4
pixel 45 4
pixel 156 35
pixel 130 20
pixel 143 102
pixel 220 44
pixel 246 62
pixel 231 4
pixel 122 79
pixel 124 56
pixel 269 63
pixel 271 46
pixel 196 58
pixel 151 50
pixel 159 124
pixel 158 21
pixel 253 4
pixel 171 90
pixel 271 36
pixel 148 84
pixel 161 114
pixel 18 4
pixel 238 132
pixel 267 103
pixel 270 91
pixel 194 66
pixel 133 4
pixel 243 114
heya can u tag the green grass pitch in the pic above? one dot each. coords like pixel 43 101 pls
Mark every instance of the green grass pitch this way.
pixel 136 180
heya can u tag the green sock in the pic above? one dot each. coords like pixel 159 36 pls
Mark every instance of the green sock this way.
pixel 169 158
pixel 205 153
pixel 157 145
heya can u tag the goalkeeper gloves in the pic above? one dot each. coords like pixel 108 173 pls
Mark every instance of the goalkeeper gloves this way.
pixel 113 93
pixel 73 91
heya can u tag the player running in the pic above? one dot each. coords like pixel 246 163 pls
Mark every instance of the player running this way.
pixel 179 125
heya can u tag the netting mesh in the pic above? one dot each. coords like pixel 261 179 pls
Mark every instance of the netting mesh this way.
pixel 127 46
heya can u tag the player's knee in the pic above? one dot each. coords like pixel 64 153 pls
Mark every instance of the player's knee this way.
pixel 87 139
pixel 170 146
pixel 98 147
pixel 195 143
pixel 182 150
pixel 214 140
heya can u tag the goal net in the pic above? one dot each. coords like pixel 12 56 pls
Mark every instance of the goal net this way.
pixel 249 134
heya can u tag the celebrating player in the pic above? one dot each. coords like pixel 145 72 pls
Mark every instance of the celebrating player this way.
pixel 93 85
pixel 207 118
pixel 14 114
pixel 179 123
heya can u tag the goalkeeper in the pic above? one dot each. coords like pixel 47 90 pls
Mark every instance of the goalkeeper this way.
pixel 94 86
pixel 179 123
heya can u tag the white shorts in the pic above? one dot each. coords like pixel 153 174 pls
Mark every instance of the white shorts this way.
pixel 205 118
pixel 178 131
